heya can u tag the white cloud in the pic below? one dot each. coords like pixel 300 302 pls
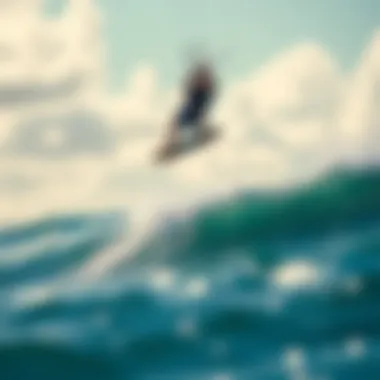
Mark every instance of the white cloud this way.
pixel 359 115
pixel 62 136
pixel 295 115
pixel 40 54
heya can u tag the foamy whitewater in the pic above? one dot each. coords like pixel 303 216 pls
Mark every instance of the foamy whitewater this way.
pixel 256 258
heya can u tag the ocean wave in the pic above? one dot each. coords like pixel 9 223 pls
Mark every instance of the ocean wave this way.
pixel 340 203
pixel 264 285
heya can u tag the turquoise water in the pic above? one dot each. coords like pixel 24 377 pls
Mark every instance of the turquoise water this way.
pixel 277 286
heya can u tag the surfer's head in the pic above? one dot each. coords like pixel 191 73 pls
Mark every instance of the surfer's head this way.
pixel 202 75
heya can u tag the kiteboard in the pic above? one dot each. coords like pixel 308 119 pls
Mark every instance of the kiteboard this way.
pixel 190 141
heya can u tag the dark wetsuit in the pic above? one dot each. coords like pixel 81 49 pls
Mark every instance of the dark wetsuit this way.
pixel 195 107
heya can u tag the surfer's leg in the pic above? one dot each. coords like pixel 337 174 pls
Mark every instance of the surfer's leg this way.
pixel 203 128
pixel 173 133
pixel 172 137
pixel 182 120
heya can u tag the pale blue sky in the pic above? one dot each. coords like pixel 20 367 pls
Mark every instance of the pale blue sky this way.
pixel 249 31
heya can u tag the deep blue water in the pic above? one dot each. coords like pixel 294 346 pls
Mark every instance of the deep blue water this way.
pixel 277 286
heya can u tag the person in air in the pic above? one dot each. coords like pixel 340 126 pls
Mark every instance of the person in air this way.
pixel 198 95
